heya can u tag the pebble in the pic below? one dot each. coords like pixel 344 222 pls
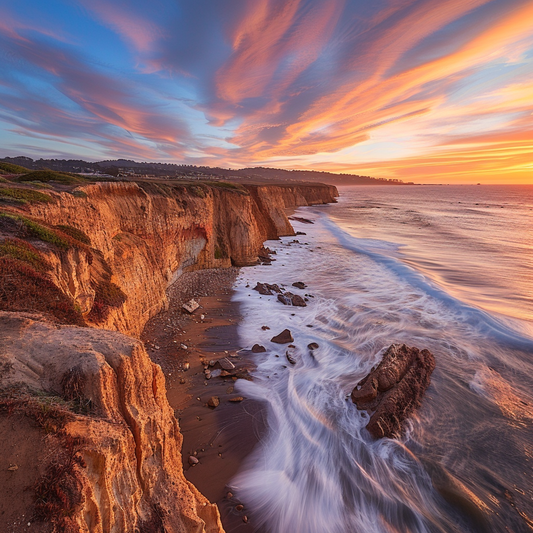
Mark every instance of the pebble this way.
pixel 214 401
pixel 236 399
pixel 193 460
pixel 239 507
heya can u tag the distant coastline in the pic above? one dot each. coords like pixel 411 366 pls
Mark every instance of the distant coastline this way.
pixel 124 168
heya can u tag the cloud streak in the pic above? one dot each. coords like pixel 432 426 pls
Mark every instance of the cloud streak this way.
pixel 395 88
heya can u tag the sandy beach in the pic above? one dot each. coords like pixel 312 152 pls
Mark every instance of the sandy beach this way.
pixel 219 438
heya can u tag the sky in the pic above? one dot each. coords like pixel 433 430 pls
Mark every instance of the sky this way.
pixel 421 90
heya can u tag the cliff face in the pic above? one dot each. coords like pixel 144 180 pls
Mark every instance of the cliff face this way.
pixel 146 234
pixel 130 478
pixel 116 442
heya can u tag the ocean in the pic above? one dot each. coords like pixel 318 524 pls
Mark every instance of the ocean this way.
pixel 447 268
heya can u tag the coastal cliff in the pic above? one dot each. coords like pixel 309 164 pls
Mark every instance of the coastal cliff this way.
pixel 103 256
pixel 146 234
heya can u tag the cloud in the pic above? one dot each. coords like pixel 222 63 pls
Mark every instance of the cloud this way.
pixel 286 82
pixel 94 101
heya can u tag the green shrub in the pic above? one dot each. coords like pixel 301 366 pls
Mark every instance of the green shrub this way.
pixel 79 194
pixel 39 232
pixel 228 185
pixel 197 191
pixel 12 169
pixel 51 175
pixel 38 184
pixel 75 233
pixel 3 180
pixel 24 195
pixel 23 251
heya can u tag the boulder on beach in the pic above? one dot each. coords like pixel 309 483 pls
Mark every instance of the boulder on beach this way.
pixel 302 219
pixel 394 389
pixel 257 348
pixel 224 364
pixel 191 306
pixel 214 401
pixel 285 337
pixel 299 285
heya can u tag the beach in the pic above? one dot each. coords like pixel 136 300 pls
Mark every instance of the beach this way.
pixel 221 437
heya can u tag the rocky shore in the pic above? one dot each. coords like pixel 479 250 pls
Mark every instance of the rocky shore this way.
pixel 81 275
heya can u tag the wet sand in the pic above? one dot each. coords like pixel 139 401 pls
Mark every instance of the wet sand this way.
pixel 220 438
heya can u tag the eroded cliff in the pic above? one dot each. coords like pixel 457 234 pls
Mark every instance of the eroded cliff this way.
pixel 146 234
pixel 100 390
pixel 103 255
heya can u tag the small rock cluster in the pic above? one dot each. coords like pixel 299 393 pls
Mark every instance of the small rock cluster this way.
pixel 285 297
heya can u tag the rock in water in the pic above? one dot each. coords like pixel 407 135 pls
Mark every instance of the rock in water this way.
pixel 257 348
pixel 299 285
pixel 298 301
pixel 261 288
pixel 394 389
pixel 285 337
pixel 284 299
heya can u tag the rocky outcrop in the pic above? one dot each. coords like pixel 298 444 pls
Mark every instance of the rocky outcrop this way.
pixel 146 234
pixel 130 439
pixel 394 389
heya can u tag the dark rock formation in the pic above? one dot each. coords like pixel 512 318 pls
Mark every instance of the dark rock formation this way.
pixel 302 219
pixel 257 348
pixel 299 285
pixel 394 389
pixel 285 299
pixel 266 289
pixel 290 358
pixel 285 337
pixel 313 346
pixel 298 301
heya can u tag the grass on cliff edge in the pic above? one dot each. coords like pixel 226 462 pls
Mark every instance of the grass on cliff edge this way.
pixel 39 231
pixel 63 237
pixel 24 196
pixel 75 233
pixel 25 252
pixel 9 168
pixel 107 295
pixel 22 288
pixel 50 175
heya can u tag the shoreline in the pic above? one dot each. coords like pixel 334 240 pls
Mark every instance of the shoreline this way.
pixel 219 438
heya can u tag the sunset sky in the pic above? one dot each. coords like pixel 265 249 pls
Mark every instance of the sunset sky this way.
pixel 421 90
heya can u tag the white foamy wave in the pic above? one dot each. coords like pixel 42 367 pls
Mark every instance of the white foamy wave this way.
pixel 317 469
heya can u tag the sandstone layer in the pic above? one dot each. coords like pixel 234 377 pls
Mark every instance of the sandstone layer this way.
pixel 147 234
pixel 129 437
